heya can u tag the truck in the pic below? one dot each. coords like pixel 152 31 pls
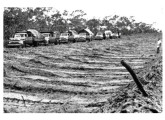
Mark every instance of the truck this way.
pixel 26 37
pixel 51 37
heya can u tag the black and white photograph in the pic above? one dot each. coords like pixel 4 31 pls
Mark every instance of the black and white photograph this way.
pixel 81 56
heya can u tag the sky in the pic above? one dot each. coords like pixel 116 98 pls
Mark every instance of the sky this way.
pixel 148 11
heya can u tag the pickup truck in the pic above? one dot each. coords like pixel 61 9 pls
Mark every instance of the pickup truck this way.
pixel 23 38
pixel 20 39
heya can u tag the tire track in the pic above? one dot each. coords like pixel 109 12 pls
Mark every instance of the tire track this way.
pixel 84 73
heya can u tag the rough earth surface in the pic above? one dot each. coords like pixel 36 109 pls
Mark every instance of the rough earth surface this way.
pixel 84 77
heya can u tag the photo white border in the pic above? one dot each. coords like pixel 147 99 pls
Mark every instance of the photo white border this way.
pixel 66 116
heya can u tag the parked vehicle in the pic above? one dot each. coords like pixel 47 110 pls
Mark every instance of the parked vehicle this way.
pixel 50 37
pixel 99 36
pixel 108 34
pixel 73 36
pixel 56 34
pixel 37 37
pixel 23 38
pixel 114 35
pixel 89 34
pixel 89 37
pixel 64 38
pixel 18 40
pixel 82 37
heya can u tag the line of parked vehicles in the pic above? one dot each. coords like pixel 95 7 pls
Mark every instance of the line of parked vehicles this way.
pixel 32 37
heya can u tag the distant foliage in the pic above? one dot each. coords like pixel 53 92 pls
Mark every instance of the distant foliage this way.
pixel 16 19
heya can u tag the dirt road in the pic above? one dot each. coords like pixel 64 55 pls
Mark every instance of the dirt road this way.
pixel 72 77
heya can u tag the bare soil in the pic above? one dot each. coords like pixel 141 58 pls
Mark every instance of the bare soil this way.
pixel 84 77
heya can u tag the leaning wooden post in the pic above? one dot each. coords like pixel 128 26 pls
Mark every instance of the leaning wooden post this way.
pixel 23 101
pixel 139 85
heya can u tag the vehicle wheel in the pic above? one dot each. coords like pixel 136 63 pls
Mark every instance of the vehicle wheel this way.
pixel 24 44
pixel 57 42
pixel 35 43
pixel 46 43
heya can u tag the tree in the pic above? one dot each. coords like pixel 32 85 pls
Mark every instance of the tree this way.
pixel 77 21
pixel 93 25
pixel 58 22
pixel 12 18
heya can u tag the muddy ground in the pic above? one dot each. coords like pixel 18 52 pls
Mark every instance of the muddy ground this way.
pixel 84 77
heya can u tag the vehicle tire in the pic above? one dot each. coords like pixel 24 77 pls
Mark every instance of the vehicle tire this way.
pixel 24 44
pixel 74 40
pixel 35 44
pixel 46 42
pixel 58 42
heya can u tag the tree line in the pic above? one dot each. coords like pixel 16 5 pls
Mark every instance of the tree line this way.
pixel 17 19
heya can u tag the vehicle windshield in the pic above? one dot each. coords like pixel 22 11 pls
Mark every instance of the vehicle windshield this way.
pixel 99 33
pixel 64 34
pixel 74 32
pixel 20 35
pixel 46 34
pixel 82 34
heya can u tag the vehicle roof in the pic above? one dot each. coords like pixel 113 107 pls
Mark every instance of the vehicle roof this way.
pixel 24 31
pixel 64 33
pixel 90 32
pixel 34 32
pixel 20 33
pixel 46 32
pixel 86 31
pixel 56 32
pixel 100 32
pixel 108 31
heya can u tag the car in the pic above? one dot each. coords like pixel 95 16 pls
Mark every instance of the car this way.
pixel 114 35
pixel 108 34
pixel 89 34
pixel 64 38
pixel 18 40
pixel 47 36
pixel 82 37
pixel 50 37
pixel 56 34
pixel 99 36
pixel 21 39
pixel 89 37
pixel 73 36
